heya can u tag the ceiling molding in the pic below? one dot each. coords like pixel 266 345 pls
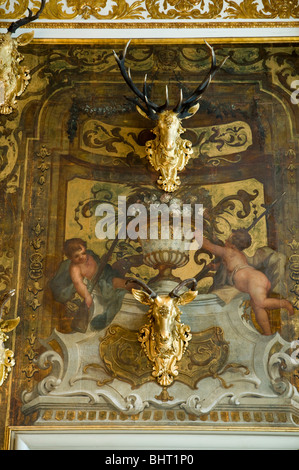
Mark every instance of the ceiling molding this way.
pixel 156 13
pixel 155 25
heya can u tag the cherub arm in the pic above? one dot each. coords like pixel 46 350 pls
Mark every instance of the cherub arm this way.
pixel 79 285
pixel 212 248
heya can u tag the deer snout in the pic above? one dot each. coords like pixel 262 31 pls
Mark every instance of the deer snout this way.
pixel 169 144
pixel 165 336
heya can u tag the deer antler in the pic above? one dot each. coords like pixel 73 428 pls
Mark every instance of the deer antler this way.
pixel 142 284
pixel 152 110
pixel 30 18
pixel 183 106
pixel 175 291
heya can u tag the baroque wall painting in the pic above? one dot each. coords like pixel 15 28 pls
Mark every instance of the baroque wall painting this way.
pixel 83 347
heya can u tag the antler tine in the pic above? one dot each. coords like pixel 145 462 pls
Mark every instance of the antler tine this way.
pixel 178 106
pixel 30 18
pixel 127 74
pixel 126 48
pixel 152 108
pixel 145 85
pixel 175 291
pixel 145 286
pixel 150 111
pixel 184 105
pixel 204 85
pixel 165 105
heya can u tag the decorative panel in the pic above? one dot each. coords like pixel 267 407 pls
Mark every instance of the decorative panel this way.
pixel 75 145
pixel 158 13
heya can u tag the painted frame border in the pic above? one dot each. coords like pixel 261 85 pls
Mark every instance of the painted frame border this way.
pixel 12 431
pixel 92 438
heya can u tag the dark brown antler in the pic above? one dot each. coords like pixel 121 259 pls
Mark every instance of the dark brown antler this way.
pixel 184 105
pixel 30 18
pixel 145 286
pixel 175 291
pixel 152 110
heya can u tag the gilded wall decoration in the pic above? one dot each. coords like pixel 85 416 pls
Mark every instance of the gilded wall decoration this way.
pixel 214 144
pixel 168 153
pixel 267 9
pixel 149 11
pixel 7 360
pixel 207 347
pixel 75 151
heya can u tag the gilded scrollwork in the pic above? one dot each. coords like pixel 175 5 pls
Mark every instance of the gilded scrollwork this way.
pixel 156 9
pixel 7 360
pixel 184 9
pixel 206 357
pixel 120 9
pixel 270 9
pixel 58 9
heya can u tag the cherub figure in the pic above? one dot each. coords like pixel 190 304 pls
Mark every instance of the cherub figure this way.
pixel 80 273
pixel 247 278
pixel 84 266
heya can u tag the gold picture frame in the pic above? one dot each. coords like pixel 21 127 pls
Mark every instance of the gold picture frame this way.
pixel 37 257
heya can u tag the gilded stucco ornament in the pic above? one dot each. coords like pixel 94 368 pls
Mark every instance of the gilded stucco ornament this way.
pixel 157 10
pixel 165 339
pixel 6 355
pixel 14 78
pixel 168 153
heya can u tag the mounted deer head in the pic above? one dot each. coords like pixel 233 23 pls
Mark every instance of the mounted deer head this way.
pixel 168 153
pixel 14 78
pixel 165 339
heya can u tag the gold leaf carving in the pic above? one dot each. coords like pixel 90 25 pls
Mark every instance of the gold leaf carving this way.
pixel 120 10
pixel 58 9
pixel 154 9
pixel 55 9
pixel 124 358
pixel 19 10
pixel 214 142
pixel 183 9
pixel 271 9
pixel 206 357
pixel 93 8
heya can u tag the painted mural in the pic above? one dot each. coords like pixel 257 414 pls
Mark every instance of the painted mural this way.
pixel 90 263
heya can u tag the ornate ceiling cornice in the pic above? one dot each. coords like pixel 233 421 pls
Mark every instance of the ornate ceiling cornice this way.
pixel 156 13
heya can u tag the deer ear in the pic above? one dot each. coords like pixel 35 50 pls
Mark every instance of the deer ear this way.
pixel 192 110
pixel 142 297
pixel 187 297
pixel 25 38
pixel 140 111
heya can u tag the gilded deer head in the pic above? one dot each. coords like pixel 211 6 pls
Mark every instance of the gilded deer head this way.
pixel 168 153
pixel 164 339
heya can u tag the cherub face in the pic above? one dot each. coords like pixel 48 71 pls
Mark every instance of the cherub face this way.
pixel 79 256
